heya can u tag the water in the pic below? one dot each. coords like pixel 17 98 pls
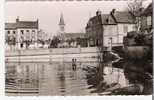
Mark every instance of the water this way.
pixel 40 79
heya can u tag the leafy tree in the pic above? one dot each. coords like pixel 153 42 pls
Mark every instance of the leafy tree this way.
pixel 54 42
pixel 70 41
pixel 139 39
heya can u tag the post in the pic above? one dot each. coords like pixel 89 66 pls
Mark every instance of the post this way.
pixel 111 44
pixel 88 45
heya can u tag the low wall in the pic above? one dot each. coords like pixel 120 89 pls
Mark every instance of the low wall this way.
pixel 55 54
pixel 52 51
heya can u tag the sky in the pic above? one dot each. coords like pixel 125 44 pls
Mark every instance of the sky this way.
pixel 75 13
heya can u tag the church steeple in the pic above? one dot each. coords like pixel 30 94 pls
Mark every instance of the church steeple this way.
pixel 62 24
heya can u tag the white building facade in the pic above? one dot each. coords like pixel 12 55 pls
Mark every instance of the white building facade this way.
pixel 21 34
pixel 109 28
pixel 115 33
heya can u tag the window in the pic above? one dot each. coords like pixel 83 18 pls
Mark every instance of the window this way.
pixel 91 42
pixel 22 31
pixel 125 28
pixel 8 32
pixel 149 20
pixel 33 30
pixel 27 34
pixel 111 31
pixel 14 32
pixel 90 23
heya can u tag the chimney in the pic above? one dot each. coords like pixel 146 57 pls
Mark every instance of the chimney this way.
pixel 37 23
pixel 98 12
pixel 17 20
pixel 37 20
pixel 113 11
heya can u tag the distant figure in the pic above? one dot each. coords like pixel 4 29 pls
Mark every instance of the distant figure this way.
pixel 75 60
pixel 74 64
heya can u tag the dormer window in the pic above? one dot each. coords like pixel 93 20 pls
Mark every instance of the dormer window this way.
pixel 8 32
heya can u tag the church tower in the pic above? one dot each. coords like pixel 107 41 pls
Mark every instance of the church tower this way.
pixel 61 24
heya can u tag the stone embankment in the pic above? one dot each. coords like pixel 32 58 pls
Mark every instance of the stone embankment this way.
pixel 53 54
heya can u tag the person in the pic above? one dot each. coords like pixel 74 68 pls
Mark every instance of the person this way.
pixel 74 64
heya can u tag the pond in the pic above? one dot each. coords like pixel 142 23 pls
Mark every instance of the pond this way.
pixel 90 78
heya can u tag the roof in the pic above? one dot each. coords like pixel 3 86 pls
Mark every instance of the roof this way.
pixel 114 18
pixel 73 35
pixel 148 10
pixel 27 24
pixel 61 22
pixel 123 17
pixel 10 25
pixel 22 24
pixel 107 19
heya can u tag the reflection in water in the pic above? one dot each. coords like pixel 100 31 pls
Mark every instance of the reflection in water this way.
pixel 139 73
pixel 120 78
pixel 61 78
pixel 24 79
pixel 45 79
pixel 88 79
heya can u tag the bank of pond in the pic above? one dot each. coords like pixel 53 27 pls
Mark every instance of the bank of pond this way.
pixel 106 78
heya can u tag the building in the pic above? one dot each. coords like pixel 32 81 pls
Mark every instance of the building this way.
pixel 144 36
pixel 75 39
pixel 108 30
pixel 41 35
pixel 21 33
pixel 147 19
pixel 69 36
pixel 70 39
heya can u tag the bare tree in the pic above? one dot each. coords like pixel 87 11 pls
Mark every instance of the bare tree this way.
pixel 135 7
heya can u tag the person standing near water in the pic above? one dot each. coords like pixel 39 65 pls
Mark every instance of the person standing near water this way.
pixel 74 64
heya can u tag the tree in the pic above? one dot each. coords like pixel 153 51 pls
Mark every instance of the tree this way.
pixel 139 39
pixel 54 42
pixel 71 40
pixel 135 8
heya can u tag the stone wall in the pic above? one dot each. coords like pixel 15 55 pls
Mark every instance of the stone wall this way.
pixel 56 54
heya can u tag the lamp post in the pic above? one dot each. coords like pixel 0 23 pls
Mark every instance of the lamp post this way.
pixel 111 44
